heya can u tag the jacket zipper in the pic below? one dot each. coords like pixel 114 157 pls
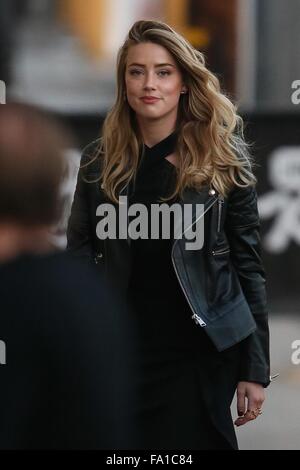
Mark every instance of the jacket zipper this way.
pixel 195 317
pixel 220 204
pixel 221 252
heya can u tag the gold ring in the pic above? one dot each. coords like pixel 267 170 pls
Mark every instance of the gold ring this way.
pixel 253 413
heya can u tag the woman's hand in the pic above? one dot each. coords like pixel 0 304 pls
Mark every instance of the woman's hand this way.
pixel 254 394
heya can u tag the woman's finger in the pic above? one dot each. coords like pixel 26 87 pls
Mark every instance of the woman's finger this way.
pixel 241 404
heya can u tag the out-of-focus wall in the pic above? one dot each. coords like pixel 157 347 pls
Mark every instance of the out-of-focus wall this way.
pixel 177 14
pixel 87 20
pixel 102 24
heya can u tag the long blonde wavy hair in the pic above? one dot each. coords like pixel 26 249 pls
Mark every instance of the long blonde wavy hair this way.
pixel 211 148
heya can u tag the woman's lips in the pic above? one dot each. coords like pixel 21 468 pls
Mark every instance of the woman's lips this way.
pixel 149 99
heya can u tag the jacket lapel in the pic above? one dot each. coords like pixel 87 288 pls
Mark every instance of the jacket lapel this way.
pixel 207 197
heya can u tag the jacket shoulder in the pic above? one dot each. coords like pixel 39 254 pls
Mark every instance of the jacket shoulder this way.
pixel 242 194
pixel 242 206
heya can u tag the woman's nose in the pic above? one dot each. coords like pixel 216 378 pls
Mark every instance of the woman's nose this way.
pixel 149 82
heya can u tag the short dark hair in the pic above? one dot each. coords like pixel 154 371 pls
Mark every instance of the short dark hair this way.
pixel 31 164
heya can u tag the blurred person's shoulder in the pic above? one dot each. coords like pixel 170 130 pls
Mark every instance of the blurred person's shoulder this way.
pixel 54 268
pixel 60 276
pixel 59 316
pixel 55 294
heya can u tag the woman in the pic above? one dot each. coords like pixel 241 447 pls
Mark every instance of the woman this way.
pixel 172 138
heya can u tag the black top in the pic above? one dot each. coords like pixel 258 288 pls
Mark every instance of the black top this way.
pixel 157 298
pixel 155 179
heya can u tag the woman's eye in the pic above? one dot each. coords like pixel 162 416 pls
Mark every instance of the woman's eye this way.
pixel 163 73
pixel 135 72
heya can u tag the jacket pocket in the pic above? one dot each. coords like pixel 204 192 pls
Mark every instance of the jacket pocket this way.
pixel 218 277
pixel 221 251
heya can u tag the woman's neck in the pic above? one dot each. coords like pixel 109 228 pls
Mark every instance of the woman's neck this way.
pixel 154 131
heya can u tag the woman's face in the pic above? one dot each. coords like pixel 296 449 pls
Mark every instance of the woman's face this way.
pixel 153 82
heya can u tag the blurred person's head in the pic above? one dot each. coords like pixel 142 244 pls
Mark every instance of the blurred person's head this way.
pixel 189 100
pixel 31 169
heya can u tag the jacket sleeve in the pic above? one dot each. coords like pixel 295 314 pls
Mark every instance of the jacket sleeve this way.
pixel 243 232
pixel 79 225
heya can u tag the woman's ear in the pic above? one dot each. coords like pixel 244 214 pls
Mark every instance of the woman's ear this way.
pixel 184 90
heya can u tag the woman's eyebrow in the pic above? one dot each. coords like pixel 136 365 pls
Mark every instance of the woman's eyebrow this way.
pixel 156 65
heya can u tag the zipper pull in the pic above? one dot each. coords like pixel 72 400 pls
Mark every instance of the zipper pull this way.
pixel 273 377
pixel 198 320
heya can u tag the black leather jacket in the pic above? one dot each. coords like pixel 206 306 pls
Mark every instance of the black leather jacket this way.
pixel 224 282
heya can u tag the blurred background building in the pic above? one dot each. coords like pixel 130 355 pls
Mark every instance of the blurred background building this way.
pixel 60 54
